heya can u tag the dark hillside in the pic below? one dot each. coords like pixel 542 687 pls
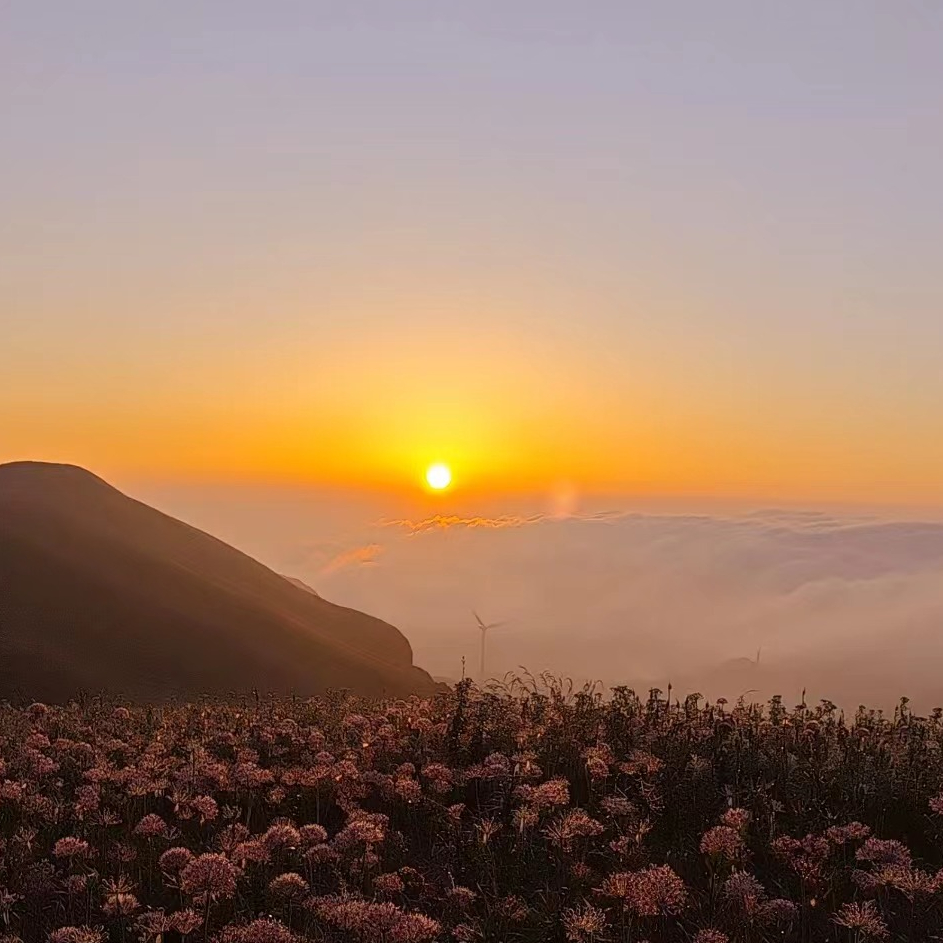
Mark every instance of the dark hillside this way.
pixel 98 591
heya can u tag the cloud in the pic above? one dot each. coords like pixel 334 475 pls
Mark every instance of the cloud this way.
pixel 447 522
pixel 357 556
pixel 846 606
pixel 440 522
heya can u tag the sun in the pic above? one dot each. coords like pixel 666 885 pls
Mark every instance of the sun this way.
pixel 438 476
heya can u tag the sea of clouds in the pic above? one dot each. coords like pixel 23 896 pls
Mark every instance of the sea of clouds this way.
pixel 847 606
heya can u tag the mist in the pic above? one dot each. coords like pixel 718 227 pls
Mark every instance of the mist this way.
pixel 843 605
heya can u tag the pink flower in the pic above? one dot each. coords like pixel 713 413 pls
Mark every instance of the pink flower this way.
pixel 723 843
pixel 737 819
pixel 259 931
pixel 151 926
pixel 842 834
pixel 648 893
pixel 711 936
pixel 618 806
pixel 151 826
pixel 76 884
pixel 210 875
pixel 281 837
pixel 119 901
pixel 439 778
pixel 388 885
pixel 407 790
pixel 415 928
pixel 864 918
pixel 548 795
pixel 288 887
pixel 174 860
pixel 205 807
pixel 251 852
pixel 312 835
pixel 87 801
pixel 572 827
pixel 364 829
pixel 744 892
pixel 806 857
pixel 77 935
pixel 185 922
pixel 778 911
pixel 513 908
pixel 598 760
pixel 641 763
pixel 357 916
pixel 462 898
pixel 884 851
pixel 584 923
pixel 71 847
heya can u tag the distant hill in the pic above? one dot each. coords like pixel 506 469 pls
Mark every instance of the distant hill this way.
pixel 100 592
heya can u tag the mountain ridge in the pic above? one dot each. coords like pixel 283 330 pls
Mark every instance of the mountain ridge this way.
pixel 100 591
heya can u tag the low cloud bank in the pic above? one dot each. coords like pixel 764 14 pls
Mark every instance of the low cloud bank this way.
pixel 850 608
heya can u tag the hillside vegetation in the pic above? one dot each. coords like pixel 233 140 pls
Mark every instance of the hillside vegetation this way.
pixel 528 815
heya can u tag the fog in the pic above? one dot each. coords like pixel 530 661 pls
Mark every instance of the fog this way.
pixel 848 606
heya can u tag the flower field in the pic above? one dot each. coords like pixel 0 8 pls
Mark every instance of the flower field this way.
pixel 531 814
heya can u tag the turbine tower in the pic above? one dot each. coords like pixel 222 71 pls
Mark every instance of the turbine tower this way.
pixel 483 627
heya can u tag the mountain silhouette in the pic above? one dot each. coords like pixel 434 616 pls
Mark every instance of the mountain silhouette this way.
pixel 99 592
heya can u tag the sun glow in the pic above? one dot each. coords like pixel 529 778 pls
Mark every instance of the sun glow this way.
pixel 438 476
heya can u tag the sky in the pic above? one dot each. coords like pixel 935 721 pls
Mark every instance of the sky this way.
pixel 612 248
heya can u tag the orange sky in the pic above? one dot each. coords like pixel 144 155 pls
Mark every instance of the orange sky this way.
pixel 372 416
pixel 642 253
pixel 507 390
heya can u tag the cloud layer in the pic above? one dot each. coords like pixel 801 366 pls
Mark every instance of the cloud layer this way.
pixel 850 608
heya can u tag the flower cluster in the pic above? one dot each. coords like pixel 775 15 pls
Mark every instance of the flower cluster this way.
pixel 531 813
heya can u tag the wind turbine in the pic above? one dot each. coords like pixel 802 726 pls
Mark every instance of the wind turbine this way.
pixel 484 627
